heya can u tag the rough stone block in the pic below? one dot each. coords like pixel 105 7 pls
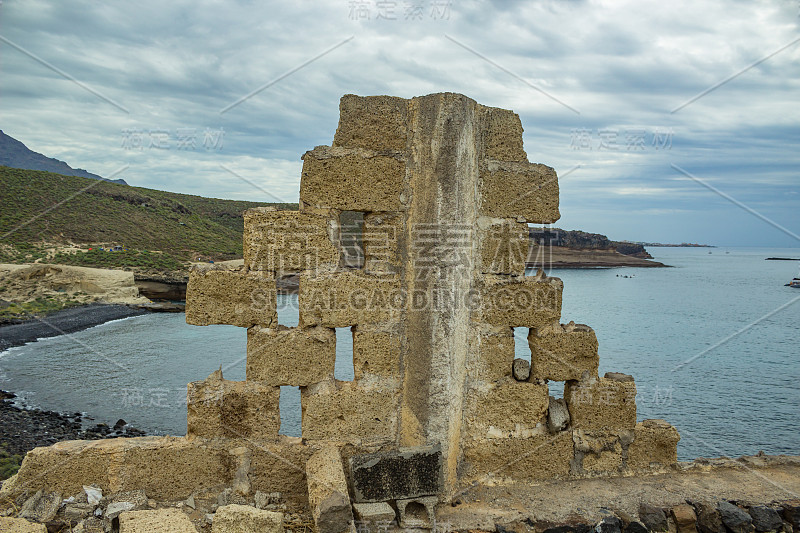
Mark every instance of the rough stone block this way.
pixel 376 351
pixel 735 518
pixel 352 179
pixel 520 301
pixel 172 520
pixel 685 519
pixel 372 122
pixel 20 525
pixel 601 404
pixel 223 296
pixel 347 298
pixel 598 453
pixel 503 246
pixel 290 356
pixel 273 469
pixel 495 353
pixel 502 134
pixel 520 191
pixel 398 474
pixel 218 408
pixel 346 412
pixel 522 459
pixel 507 408
pixel 417 513
pixel 246 519
pixel 563 352
pixel 381 237
pixel 765 518
pixel 373 517
pixel 655 444
pixel 328 496
pixel 289 241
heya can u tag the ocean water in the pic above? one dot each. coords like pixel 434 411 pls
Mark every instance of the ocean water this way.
pixel 712 343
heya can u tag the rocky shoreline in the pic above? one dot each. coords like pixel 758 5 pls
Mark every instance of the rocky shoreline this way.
pixel 22 429
pixel 19 332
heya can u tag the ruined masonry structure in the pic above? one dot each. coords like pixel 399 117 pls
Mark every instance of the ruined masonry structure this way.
pixel 438 401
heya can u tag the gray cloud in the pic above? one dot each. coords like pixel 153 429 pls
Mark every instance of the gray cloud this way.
pixel 625 66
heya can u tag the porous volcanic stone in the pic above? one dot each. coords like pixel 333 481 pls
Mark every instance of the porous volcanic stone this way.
pixel 402 474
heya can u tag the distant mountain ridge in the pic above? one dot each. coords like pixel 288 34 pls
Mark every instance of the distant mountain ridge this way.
pixel 15 154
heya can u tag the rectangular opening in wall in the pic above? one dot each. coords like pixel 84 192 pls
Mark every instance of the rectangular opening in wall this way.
pixel 291 412
pixel 351 224
pixel 556 388
pixel 343 370
pixel 521 348
pixel 287 306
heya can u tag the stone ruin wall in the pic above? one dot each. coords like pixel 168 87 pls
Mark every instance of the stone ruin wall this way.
pixel 446 193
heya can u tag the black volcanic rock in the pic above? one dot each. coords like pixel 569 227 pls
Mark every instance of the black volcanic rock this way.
pixel 16 155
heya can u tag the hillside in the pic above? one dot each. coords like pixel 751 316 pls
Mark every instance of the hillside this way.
pixel 42 215
pixel 14 153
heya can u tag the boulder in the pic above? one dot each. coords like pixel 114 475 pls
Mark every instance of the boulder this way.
pixel 20 525
pixel 766 518
pixel 735 518
pixel 653 517
pixel 161 520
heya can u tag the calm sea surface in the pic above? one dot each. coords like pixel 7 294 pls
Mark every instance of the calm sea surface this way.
pixel 713 344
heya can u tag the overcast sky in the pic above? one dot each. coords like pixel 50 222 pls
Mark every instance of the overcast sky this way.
pixel 670 121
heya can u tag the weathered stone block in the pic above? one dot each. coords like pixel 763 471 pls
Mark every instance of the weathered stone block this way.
pixel 347 412
pixel 495 353
pixel 507 408
pixel 685 519
pixel 349 297
pixel 41 507
pixel 217 295
pixel 653 517
pixel 503 246
pixel 524 191
pixel 381 237
pixel 519 301
pixel 172 520
pixel 352 179
pixel 289 241
pixel 373 517
pixel 417 513
pixel 376 351
pixel 399 474
pixel 601 404
pixel 218 408
pixel 328 496
pixel 655 444
pixel 598 453
pixel 290 356
pixel 523 459
pixel 372 122
pixel 502 134
pixel 563 352
pixel 246 519
pixel 273 469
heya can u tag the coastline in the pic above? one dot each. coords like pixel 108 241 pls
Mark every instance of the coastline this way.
pixel 62 322
pixel 560 257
